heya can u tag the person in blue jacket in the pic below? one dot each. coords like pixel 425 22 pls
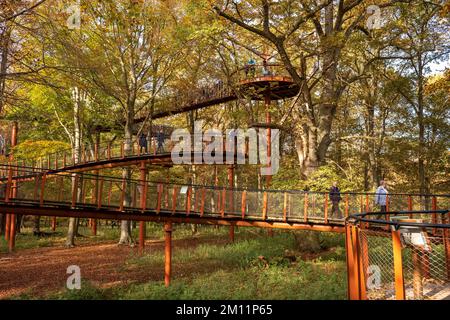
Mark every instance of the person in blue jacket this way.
pixel 381 197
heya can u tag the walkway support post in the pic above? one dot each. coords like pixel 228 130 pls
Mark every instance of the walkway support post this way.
pixel 231 185
pixel 352 274
pixel 267 102
pixel 398 266
pixel 168 252
pixel 96 195
pixel 143 200
pixel 12 219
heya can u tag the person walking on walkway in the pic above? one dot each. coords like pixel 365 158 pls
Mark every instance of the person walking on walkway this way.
pixel 335 197
pixel 381 197
pixel 250 68
pixel 143 144
pixel 160 139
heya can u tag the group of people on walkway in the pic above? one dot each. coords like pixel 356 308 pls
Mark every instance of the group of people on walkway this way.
pixel 250 68
pixel 381 195
pixel 143 142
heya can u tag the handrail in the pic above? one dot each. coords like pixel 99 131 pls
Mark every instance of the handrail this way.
pixel 292 191
pixel 360 217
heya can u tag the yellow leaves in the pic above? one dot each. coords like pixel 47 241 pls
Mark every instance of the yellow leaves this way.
pixel 36 149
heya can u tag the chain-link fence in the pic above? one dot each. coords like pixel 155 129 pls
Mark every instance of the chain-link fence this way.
pixel 404 257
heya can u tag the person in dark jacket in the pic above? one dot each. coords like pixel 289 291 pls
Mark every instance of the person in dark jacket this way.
pixel 143 144
pixel 335 198
pixel 160 139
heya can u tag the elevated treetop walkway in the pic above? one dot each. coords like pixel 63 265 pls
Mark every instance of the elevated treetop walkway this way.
pixel 256 82
pixel 55 185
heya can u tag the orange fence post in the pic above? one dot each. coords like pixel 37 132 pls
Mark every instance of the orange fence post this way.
pixel 174 199
pixel 222 210
pixel 264 213
pixel 12 235
pixel 398 266
pixel 244 203
pixel 168 253
pixel 352 281
pixel 326 209
pixel 363 261
pixel 188 201
pixel 356 260
pixel 410 206
pixel 285 207
pixel 305 207
pixel 54 224
pixel 96 152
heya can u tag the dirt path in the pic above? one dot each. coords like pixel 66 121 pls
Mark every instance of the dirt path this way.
pixel 42 270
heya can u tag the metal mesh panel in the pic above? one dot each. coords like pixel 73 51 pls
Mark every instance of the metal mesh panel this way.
pixel 426 270
pixel 378 264
pixel 275 205
pixel 254 204
pixel 296 206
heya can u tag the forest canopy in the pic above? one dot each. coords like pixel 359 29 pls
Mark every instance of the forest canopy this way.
pixel 373 77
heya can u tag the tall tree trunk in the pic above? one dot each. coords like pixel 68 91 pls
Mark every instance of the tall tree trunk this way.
pixel 4 41
pixel 76 149
pixel 125 226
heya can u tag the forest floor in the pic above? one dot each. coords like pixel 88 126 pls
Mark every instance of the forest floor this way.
pixel 205 266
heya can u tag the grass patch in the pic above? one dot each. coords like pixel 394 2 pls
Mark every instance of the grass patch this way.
pixel 254 267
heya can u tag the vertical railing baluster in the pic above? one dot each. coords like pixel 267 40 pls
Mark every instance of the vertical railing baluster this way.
pixel 305 207
pixel 264 213
pixel 244 203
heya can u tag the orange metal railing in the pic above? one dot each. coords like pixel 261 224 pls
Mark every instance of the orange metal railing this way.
pixel 120 194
